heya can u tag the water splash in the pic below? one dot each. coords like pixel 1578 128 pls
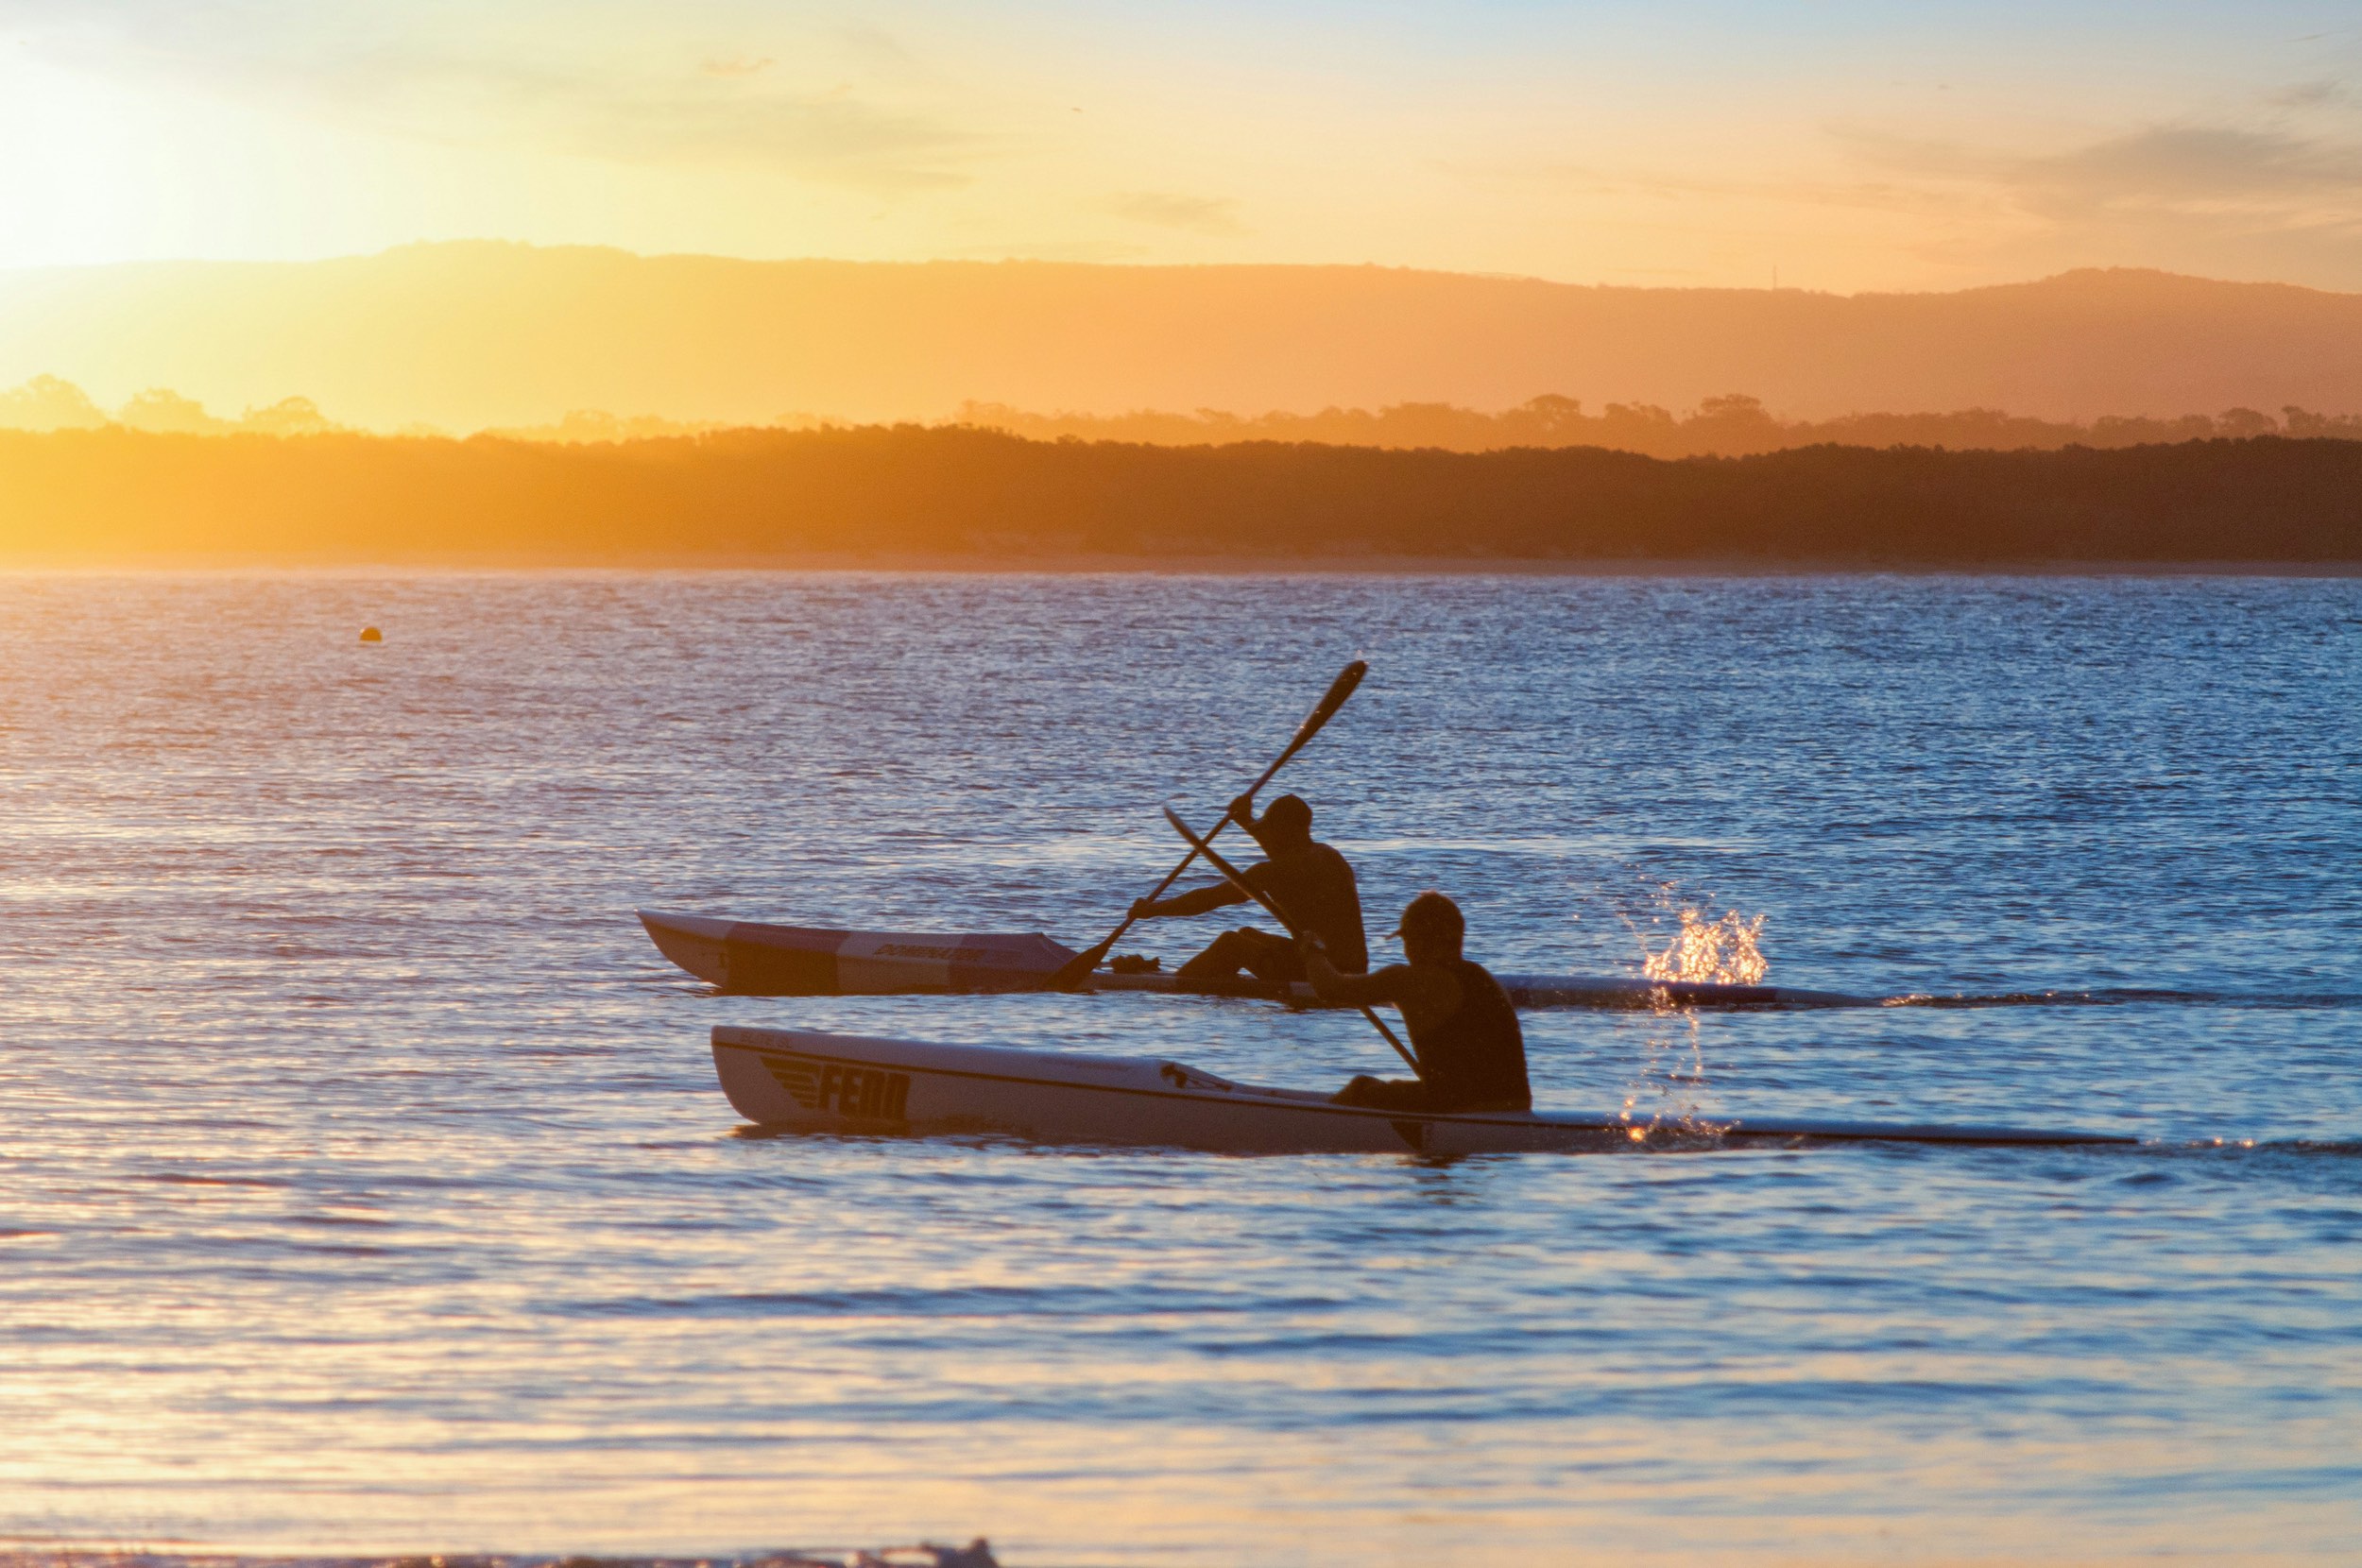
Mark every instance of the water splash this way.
pixel 1723 952
pixel 1661 1107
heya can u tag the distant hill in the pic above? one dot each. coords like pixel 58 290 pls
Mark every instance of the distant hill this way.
pixel 475 334
pixel 117 494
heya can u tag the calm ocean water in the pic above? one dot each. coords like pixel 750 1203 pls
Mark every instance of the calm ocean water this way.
pixel 364 1182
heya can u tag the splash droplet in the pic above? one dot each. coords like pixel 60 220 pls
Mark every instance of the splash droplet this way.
pixel 1721 952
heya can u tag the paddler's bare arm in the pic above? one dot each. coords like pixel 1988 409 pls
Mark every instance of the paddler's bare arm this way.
pixel 1196 901
pixel 1423 995
pixel 1202 900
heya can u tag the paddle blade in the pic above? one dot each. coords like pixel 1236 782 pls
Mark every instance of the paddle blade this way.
pixel 1338 689
pixel 1184 829
pixel 1074 971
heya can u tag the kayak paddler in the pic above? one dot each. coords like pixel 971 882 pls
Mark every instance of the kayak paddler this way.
pixel 1463 1030
pixel 1304 878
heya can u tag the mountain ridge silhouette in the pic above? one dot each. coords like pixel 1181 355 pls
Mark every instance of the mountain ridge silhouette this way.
pixel 466 334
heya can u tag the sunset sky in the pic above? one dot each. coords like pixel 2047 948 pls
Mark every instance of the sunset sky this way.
pixel 1851 146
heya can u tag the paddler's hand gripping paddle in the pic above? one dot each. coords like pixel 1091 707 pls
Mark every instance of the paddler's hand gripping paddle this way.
pixel 1236 879
pixel 1077 970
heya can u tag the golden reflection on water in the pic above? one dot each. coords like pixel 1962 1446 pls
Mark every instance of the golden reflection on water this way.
pixel 369 1187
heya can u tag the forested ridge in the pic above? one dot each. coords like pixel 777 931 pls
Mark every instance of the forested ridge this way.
pixel 745 495
pixel 1733 425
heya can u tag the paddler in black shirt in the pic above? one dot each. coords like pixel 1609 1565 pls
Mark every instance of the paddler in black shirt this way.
pixel 1309 880
pixel 1463 1030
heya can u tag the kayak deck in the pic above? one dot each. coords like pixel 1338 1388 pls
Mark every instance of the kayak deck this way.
pixel 755 959
pixel 814 1080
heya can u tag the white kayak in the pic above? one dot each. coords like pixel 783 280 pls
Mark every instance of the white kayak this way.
pixel 754 959
pixel 811 1081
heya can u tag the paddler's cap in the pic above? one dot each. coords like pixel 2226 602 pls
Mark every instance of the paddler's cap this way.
pixel 1288 814
pixel 1432 912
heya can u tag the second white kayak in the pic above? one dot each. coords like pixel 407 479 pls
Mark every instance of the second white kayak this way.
pixel 756 959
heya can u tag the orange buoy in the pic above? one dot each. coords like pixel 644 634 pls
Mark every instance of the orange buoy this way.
pixel 370 634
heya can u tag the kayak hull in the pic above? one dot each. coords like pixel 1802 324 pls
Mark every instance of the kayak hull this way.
pixel 812 1081
pixel 753 958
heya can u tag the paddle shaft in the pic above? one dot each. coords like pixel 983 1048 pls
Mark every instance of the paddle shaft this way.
pixel 1076 969
pixel 1237 879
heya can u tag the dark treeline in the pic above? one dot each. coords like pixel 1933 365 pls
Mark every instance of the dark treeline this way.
pixel 750 494
pixel 1733 426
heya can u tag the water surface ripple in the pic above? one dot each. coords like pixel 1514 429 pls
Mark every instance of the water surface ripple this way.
pixel 364 1183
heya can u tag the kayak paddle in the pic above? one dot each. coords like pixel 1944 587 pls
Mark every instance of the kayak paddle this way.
pixel 1077 970
pixel 1237 879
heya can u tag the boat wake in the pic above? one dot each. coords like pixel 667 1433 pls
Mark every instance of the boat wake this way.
pixel 1728 951
pixel 2125 996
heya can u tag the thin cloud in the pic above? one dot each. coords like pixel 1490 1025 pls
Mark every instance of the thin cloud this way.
pixel 2308 94
pixel 2230 200
pixel 876 45
pixel 2261 175
pixel 1055 250
pixel 1669 185
pixel 1217 216
pixel 2198 163
pixel 2258 198
pixel 830 137
pixel 475 87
